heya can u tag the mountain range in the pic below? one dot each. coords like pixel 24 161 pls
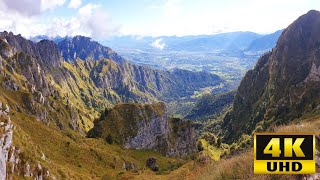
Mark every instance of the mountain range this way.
pixel 67 85
pixel 225 42
pixel 75 109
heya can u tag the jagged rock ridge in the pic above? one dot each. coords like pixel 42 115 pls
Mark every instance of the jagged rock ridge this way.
pixel 86 49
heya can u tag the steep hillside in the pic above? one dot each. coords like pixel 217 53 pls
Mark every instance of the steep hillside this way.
pixel 264 43
pixel 210 106
pixel 284 84
pixel 134 82
pixel 130 80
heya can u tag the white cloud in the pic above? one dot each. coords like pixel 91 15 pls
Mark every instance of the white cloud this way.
pixel 20 17
pixel 99 24
pixel 51 4
pixel 75 4
pixel 158 43
pixel 90 21
pixel 167 17
pixel 87 9
pixel 23 7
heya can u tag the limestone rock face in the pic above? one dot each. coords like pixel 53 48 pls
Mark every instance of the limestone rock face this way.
pixel 11 161
pixel 183 135
pixel 6 52
pixel 85 48
pixel 6 135
pixel 149 134
pixel 45 51
pixel 146 126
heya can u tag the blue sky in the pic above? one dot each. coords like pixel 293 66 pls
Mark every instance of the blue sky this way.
pixel 101 19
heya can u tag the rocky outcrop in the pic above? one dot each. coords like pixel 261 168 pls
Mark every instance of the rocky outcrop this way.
pixel 9 84
pixel 152 164
pixel 46 52
pixel 150 133
pixel 6 51
pixel 11 161
pixel 284 84
pixel 146 126
pixel 6 135
pixel 16 164
pixel 182 138
pixel 29 67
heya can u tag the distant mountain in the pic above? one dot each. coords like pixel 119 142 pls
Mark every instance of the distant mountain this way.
pixel 284 85
pixel 264 43
pixel 145 42
pixel 234 41
pixel 38 38
pixel 227 42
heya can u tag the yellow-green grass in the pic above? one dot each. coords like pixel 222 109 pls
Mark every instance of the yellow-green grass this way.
pixel 241 166
pixel 71 155
pixel 212 151
pixel 178 174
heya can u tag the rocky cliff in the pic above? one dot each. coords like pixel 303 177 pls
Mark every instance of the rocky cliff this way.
pixel 146 126
pixel 284 84
pixel 12 162
pixel 6 134
pixel 86 49
pixel 46 52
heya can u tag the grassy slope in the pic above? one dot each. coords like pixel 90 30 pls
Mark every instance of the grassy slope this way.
pixel 239 166
pixel 68 153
